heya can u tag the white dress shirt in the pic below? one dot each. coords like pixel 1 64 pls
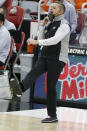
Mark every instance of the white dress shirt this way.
pixel 5 42
pixel 10 26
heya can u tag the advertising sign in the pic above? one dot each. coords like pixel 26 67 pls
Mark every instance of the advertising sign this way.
pixel 72 84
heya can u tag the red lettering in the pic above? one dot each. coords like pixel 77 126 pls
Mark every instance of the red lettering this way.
pixel 83 70
pixel 69 92
pixel 86 86
pixel 64 75
pixel 81 89
pixel 74 72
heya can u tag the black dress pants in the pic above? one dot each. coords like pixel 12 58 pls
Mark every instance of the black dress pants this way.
pixel 53 68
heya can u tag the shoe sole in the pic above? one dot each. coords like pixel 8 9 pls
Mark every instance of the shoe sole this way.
pixel 49 121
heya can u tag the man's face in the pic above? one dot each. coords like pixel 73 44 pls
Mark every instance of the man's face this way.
pixel 55 9
pixel 1 11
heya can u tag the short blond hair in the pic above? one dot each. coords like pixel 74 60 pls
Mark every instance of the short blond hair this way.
pixel 61 5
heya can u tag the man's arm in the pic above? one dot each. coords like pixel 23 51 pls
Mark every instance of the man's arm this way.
pixel 62 31
pixel 73 19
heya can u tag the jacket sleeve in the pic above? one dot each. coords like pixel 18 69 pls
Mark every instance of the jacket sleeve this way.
pixel 61 32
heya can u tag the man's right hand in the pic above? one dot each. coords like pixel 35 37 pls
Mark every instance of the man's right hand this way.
pixel 45 21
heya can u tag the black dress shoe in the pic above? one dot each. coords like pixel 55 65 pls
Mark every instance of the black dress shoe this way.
pixel 49 120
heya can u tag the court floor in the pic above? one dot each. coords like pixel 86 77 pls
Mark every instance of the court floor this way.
pixel 70 119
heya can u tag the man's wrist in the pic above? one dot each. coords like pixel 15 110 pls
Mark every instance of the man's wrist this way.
pixel 36 42
pixel 42 24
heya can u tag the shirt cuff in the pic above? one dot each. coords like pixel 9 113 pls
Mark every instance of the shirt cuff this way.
pixel 41 42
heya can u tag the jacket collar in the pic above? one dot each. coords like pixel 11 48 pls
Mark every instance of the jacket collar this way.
pixel 58 18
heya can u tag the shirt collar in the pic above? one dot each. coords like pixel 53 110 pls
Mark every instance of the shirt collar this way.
pixel 58 18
